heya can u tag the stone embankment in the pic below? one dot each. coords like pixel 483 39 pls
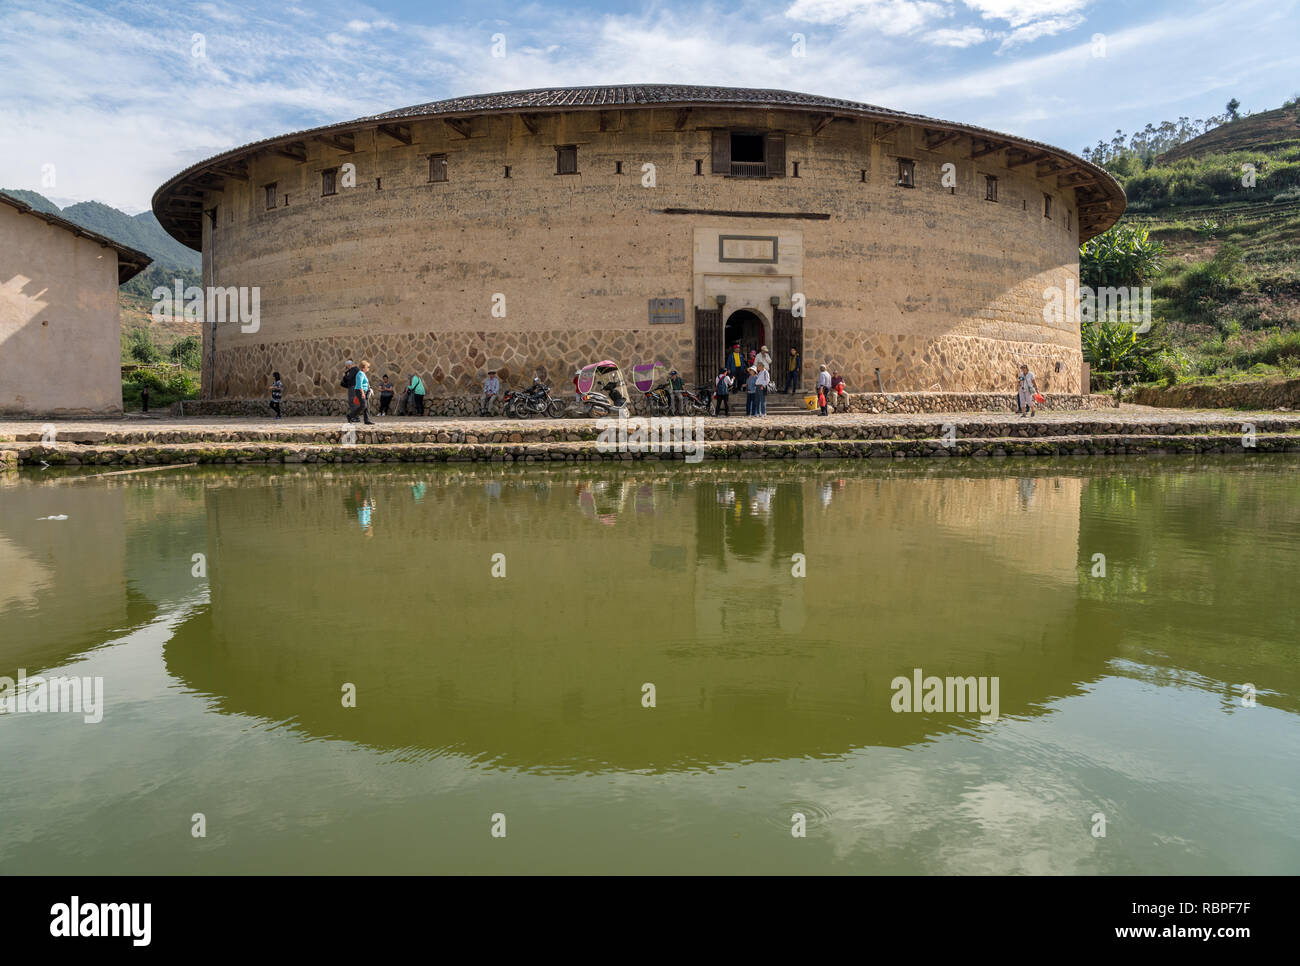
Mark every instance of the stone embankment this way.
pixel 1231 395
pixel 1127 431
pixel 461 407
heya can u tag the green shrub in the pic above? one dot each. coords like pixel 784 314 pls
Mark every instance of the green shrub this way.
pixel 1110 345
pixel 1122 256
pixel 187 353
pixel 140 346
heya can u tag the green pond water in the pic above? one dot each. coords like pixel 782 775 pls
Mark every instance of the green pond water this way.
pixel 522 696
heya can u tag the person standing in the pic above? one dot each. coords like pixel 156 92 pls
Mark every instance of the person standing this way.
pixel 349 382
pixel 762 383
pixel 491 392
pixel 676 385
pixel 361 396
pixel 1025 396
pixel 821 396
pixel 764 360
pixel 824 380
pixel 416 389
pixel 736 361
pixel 144 399
pixel 721 392
pixel 385 396
pixel 792 372
pixel 751 388
pixel 277 394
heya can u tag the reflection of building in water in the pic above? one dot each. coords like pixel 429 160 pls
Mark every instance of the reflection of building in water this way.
pixel 67 586
pixel 690 589
pixel 746 536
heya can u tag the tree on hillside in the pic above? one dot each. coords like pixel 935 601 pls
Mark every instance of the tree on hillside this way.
pixel 141 346
pixel 1233 107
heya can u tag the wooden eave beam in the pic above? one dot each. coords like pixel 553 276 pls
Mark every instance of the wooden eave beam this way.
pixel 989 147
pixel 294 151
pixel 1029 158
pixel 530 121
pixel 821 122
pixel 238 172
pixel 936 138
pixel 683 115
pixel 400 133
pixel 461 125
pixel 882 130
pixel 1075 179
pixel 1046 168
pixel 342 142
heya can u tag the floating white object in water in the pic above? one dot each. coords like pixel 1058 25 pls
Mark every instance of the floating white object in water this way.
pixel 61 516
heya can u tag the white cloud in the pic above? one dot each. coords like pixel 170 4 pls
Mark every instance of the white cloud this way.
pixel 1042 28
pixel 956 36
pixel 890 17
pixel 1018 13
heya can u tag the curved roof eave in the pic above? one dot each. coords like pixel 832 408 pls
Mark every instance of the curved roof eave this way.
pixel 645 97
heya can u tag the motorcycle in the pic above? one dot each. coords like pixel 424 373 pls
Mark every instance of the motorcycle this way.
pixel 533 401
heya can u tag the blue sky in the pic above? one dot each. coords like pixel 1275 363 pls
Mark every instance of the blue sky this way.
pixel 112 96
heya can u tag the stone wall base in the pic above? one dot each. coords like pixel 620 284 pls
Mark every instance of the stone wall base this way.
pixel 866 402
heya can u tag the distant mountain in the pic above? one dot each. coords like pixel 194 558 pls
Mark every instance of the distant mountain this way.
pixel 140 231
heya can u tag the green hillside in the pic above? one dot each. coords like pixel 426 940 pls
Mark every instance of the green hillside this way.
pixel 143 339
pixel 1226 275
pixel 141 232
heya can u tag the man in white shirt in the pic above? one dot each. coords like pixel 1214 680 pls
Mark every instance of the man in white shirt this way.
pixel 764 360
pixel 491 391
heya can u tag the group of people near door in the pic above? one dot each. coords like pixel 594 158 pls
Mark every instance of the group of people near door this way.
pixel 753 374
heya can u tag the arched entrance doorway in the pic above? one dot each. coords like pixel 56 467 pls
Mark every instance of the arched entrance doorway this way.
pixel 747 328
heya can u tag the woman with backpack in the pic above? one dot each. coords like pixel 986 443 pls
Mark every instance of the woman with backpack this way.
pixel 721 392
pixel 349 382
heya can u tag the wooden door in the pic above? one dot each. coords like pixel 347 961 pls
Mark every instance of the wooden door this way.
pixel 708 345
pixel 787 334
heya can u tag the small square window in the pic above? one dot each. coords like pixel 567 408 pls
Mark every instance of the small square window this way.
pixel 437 167
pixel 990 188
pixel 566 159
pixel 906 173
pixel 329 182
pixel 1047 205
pixel 270 196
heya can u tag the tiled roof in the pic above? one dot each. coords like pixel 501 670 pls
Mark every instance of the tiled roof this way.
pixel 185 226
pixel 637 95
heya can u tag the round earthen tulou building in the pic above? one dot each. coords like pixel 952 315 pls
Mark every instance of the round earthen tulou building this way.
pixel 548 229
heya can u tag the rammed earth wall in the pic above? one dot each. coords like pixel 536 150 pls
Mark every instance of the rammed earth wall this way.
pixel 935 287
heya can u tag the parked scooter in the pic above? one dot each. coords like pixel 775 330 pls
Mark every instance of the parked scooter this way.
pixel 611 399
